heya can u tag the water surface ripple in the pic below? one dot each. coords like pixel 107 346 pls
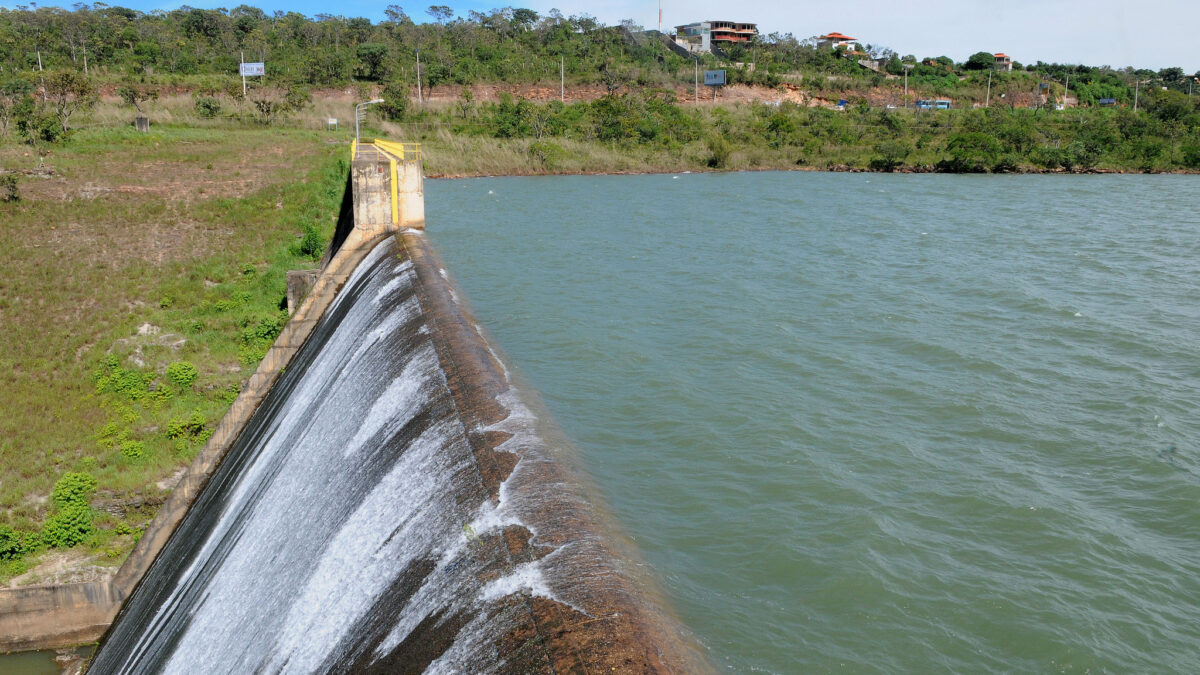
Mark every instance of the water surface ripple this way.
pixel 872 423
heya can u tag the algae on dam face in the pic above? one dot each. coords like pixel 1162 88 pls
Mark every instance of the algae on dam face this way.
pixel 386 511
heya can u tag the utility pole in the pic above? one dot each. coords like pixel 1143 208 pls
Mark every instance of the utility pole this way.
pixel 1136 85
pixel 85 70
pixel 419 75
pixel 697 89
pixel 242 68
pixel 907 67
pixel 43 77
pixel 987 102
pixel 562 78
pixel 660 16
pixel 1066 90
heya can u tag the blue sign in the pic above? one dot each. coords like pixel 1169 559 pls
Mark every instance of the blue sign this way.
pixel 714 78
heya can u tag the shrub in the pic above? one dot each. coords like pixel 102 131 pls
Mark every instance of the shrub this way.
pixel 73 488
pixel 186 427
pixel 16 543
pixel 112 378
pixel 8 188
pixel 133 449
pixel 297 97
pixel 70 526
pixel 891 154
pixel 546 153
pixel 40 126
pixel 311 244
pixel 1191 155
pixel 257 336
pixel 182 374
pixel 10 543
pixel 395 101
pixel 720 151
pixel 207 106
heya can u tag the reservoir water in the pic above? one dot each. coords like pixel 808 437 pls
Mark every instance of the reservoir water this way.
pixel 865 422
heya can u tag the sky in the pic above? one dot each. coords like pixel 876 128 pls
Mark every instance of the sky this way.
pixel 1140 33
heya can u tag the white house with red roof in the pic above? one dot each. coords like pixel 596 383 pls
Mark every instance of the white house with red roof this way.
pixel 1003 62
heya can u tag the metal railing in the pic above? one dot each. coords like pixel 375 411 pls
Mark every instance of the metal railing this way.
pixel 405 152
pixel 400 152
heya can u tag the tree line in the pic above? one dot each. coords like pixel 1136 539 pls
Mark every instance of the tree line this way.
pixel 512 45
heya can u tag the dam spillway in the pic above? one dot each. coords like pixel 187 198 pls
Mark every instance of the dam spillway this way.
pixel 392 506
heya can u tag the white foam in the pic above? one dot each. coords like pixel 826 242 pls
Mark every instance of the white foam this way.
pixel 398 404
pixel 526 577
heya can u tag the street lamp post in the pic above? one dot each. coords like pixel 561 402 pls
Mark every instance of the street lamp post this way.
pixel 360 113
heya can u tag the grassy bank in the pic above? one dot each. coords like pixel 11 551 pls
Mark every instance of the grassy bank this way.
pixel 144 281
pixel 641 131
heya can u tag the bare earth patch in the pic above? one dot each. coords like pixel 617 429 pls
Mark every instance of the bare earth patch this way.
pixel 64 567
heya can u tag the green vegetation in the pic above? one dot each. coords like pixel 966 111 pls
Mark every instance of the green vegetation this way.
pixel 638 111
pixel 198 49
pixel 637 131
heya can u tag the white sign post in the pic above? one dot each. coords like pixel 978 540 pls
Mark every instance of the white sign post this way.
pixel 251 70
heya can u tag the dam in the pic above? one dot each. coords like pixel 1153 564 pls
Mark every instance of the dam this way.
pixel 388 502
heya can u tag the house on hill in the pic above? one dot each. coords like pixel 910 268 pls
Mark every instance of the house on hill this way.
pixel 702 35
pixel 835 40
pixel 1003 62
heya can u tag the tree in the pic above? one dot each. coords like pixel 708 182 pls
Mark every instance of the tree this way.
pixel 524 18
pixel 69 92
pixel 137 94
pixel 372 57
pixel 889 155
pixel 979 61
pixel 613 76
pixel 1169 106
pixel 11 93
pixel 395 101
pixel 971 152
pixel 1170 75
pixel 395 14
pixel 440 13
pixel 268 104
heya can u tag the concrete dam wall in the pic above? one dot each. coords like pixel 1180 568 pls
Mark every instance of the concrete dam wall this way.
pixel 392 505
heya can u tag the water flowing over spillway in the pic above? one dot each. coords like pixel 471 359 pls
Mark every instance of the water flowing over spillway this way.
pixel 391 507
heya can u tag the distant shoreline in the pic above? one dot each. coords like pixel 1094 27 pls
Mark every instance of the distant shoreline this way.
pixel 809 169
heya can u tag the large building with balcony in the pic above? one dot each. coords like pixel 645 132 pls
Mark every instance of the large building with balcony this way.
pixel 702 35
